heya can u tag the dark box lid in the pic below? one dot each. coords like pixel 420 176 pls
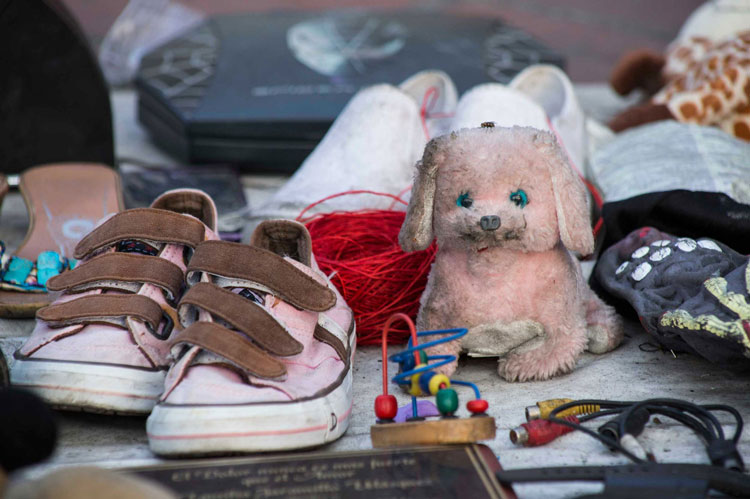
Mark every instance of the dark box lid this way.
pixel 265 88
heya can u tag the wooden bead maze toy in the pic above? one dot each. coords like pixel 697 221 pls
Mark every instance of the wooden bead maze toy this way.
pixel 418 377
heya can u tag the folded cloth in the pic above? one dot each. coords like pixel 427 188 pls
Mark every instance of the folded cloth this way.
pixel 688 213
pixel 691 295
pixel 668 155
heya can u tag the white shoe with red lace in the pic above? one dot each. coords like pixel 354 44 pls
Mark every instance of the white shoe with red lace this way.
pixel 373 145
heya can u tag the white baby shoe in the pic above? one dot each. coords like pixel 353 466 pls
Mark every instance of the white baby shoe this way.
pixel 372 145
pixel 550 87
pixel 500 104
pixel 539 96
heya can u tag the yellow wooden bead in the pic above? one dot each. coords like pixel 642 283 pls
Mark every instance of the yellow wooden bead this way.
pixel 415 389
pixel 436 381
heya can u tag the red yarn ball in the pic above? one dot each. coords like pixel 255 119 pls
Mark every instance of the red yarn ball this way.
pixel 360 251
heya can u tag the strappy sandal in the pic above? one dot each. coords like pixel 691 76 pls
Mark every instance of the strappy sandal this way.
pixel 265 359
pixel 64 202
pixel 4 376
pixel 3 187
pixel 103 346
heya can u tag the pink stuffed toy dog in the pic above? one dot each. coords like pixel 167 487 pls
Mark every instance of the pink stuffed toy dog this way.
pixel 505 208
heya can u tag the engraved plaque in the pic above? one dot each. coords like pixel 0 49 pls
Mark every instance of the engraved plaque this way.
pixel 413 473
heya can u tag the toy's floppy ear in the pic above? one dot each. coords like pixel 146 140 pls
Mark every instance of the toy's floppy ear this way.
pixel 416 233
pixel 571 203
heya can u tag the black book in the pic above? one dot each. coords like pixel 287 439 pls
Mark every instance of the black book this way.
pixel 261 90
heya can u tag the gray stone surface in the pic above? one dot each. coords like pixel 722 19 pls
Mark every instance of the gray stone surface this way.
pixel 625 374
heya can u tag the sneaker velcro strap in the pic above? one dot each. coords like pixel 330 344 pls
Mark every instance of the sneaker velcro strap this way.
pixel 232 346
pixel 256 265
pixel 244 315
pixel 147 224
pixel 329 336
pixel 112 309
pixel 115 270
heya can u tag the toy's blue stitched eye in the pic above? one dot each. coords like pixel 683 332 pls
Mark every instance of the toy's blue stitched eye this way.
pixel 520 198
pixel 464 200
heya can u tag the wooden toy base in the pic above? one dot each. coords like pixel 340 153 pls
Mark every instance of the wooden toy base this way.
pixel 430 432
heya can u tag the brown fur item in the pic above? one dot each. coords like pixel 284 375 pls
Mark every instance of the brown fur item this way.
pixel 639 69
pixel 704 82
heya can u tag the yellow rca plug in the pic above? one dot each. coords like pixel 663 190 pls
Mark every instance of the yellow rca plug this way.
pixel 543 408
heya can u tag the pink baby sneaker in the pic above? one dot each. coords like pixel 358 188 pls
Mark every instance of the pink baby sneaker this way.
pixel 103 346
pixel 264 361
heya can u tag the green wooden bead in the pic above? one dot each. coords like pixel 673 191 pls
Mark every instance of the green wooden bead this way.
pixel 422 357
pixel 447 401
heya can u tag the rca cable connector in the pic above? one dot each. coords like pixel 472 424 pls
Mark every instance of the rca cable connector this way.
pixel 632 445
pixel 540 431
pixel 543 409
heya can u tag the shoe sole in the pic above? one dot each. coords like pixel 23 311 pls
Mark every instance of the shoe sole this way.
pixel 87 387
pixel 220 429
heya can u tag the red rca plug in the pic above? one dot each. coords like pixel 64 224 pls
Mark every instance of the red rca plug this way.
pixel 540 431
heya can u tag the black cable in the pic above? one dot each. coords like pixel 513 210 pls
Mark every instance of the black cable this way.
pixel 698 418
pixel 607 404
pixel 598 414
pixel 734 412
pixel 706 422
pixel 698 413
pixel 685 420
pixel 701 411
pixel 722 480
pixel 606 441
pixel 677 404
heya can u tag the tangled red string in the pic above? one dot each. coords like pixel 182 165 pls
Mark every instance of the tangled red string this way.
pixel 374 275
pixel 360 251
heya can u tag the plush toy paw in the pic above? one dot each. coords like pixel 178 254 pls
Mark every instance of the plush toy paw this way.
pixel 529 367
pixel 604 338
pixel 598 339
pixel 604 327
pixel 499 338
pixel 541 359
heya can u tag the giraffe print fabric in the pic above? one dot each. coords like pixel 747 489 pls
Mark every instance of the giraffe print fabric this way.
pixel 708 83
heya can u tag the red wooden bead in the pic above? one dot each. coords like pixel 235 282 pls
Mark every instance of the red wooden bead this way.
pixel 386 406
pixel 477 406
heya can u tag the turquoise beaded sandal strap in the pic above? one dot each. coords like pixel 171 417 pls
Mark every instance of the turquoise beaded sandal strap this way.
pixel 20 274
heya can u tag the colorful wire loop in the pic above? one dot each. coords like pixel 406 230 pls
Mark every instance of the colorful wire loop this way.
pixel 417 372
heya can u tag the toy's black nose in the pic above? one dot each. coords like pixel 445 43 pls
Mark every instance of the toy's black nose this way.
pixel 489 222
